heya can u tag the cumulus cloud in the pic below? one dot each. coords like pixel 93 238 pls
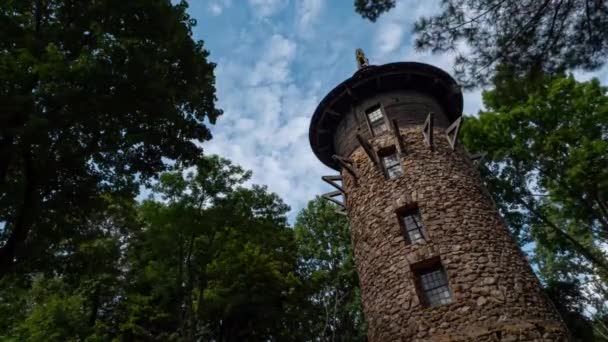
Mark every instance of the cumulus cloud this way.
pixel 393 32
pixel 271 76
pixel 389 37
pixel 273 64
pixel 601 74
pixel 218 6
pixel 266 8
pixel 266 116
pixel 307 12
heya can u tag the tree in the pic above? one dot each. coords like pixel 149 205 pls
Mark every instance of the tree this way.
pixel 531 36
pixel 203 258
pixel 546 165
pixel 73 292
pixel 372 9
pixel 325 259
pixel 569 302
pixel 215 261
pixel 95 97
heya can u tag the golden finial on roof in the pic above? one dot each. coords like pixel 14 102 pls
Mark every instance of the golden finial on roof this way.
pixel 361 59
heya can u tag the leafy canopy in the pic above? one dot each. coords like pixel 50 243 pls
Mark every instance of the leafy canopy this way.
pixel 531 35
pixel 547 168
pixel 95 97
pixel 326 265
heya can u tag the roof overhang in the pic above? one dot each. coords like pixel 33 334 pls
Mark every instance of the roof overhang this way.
pixel 370 81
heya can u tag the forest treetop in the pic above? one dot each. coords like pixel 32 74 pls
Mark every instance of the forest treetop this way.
pixel 96 96
pixel 532 36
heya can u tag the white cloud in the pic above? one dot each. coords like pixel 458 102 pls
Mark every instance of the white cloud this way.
pixel 307 12
pixel 393 29
pixel 267 114
pixel 266 8
pixel 389 37
pixel 273 75
pixel 217 7
pixel 273 65
pixel 601 74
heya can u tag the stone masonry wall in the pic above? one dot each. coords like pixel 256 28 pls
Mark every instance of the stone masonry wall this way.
pixel 496 295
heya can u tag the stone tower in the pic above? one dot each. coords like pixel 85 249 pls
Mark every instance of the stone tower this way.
pixel 435 260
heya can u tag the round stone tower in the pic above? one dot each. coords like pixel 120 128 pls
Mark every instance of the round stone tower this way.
pixel 435 260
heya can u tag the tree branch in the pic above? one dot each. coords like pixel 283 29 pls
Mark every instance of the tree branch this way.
pixel 534 18
pixel 575 244
pixel 477 17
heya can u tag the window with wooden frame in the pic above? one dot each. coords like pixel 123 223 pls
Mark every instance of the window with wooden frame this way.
pixel 411 225
pixel 432 283
pixel 391 163
pixel 375 117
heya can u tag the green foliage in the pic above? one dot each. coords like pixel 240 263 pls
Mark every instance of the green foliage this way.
pixel 372 9
pixel 529 36
pixel 547 168
pixel 569 302
pixel 214 260
pixel 94 96
pixel 56 315
pixel 326 263
pixel 203 258
pixel 99 98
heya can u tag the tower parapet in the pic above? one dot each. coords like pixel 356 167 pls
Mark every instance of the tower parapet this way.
pixel 435 260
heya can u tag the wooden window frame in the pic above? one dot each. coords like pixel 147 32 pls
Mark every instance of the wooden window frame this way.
pixel 427 267
pixel 407 211
pixel 370 124
pixel 388 151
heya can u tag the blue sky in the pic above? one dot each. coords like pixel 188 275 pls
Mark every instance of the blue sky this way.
pixel 276 59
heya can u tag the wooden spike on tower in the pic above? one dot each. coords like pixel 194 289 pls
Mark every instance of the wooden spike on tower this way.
pixel 331 180
pixel 341 211
pixel 452 132
pixel 477 156
pixel 330 197
pixel 427 130
pixel 347 164
pixel 368 148
pixel 398 138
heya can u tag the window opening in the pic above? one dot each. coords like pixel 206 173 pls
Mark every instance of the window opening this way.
pixel 391 163
pixel 376 120
pixel 432 283
pixel 412 226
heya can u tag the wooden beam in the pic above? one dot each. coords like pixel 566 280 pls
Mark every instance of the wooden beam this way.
pixel 427 130
pixel 331 180
pixel 350 93
pixel 323 148
pixel 398 139
pixel 344 159
pixel 341 211
pixel 330 197
pixel 478 156
pixel 347 164
pixel 407 78
pixel 332 112
pixel 452 132
pixel 368 148
pixel 353 112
